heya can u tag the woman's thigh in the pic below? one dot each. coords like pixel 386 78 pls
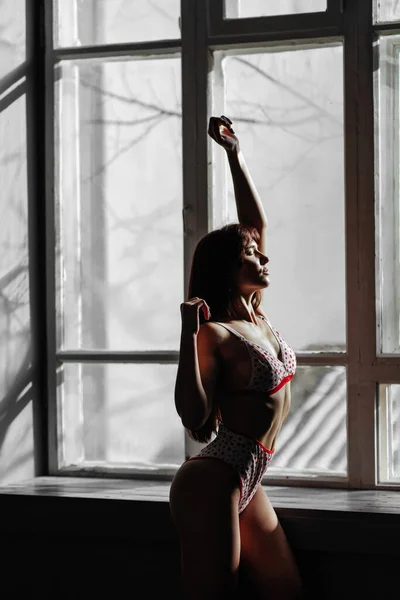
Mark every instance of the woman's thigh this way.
pixel 204 499
pixel 265 552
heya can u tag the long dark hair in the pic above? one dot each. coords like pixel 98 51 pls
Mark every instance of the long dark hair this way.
pixel 216 260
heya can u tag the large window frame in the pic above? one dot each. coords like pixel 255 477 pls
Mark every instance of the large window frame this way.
pixel 204 30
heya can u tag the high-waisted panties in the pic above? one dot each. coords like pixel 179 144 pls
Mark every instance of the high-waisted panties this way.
pixel 247 456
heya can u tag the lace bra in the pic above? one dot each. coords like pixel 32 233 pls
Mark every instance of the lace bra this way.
pixel 269 374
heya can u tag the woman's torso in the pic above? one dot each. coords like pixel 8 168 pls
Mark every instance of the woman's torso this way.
pixel 259 356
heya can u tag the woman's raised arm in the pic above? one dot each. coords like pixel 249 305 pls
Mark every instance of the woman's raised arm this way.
pixel 248 202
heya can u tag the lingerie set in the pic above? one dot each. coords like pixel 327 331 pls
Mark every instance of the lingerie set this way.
pixel 246 455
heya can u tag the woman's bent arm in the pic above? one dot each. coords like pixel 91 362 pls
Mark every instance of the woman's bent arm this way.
pixel 196 377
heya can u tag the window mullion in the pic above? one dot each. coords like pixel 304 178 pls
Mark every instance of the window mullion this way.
pixel 109 51
pixel 195 92
pixel 50 291
pixel 386 369
pixel 360 276
pixel 96 356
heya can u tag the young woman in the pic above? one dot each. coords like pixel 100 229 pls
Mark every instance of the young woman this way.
pixel 233 379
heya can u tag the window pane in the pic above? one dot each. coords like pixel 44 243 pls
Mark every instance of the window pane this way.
pixel 14 275
pixel 16 392
pixel 386 10
pixel 12 35
pixel 387 193
pixel 92 22
pixel 115 415
pixel 235 9
pixel 287 109
pixel 313 440
pixel 120 237
pixel 389 433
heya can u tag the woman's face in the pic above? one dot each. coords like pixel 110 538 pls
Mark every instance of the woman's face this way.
pixel 253 272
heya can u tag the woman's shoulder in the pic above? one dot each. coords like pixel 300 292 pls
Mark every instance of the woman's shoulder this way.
pixel 213 334
pixel 213 329
pixel 211 339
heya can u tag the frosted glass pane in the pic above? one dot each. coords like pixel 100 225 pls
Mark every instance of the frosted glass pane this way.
pixel 15 334
pixel 90 22
pixel 314 437
pixel 119 184
pixel 387 10
pixel 115 415
pixel 235 9
pixel 12 35
pixel 387 197
pixel 287 110
pixel 389 433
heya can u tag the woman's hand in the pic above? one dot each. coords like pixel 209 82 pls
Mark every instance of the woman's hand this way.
pixel 220 129
pixel 190 314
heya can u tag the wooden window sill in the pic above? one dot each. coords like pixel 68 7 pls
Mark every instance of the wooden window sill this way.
pixel 315 519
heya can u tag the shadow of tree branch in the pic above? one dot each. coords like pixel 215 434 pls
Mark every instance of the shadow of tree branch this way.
pixel 17 397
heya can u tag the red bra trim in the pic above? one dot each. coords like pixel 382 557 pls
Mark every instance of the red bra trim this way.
pixel 264 448
pixel 281 384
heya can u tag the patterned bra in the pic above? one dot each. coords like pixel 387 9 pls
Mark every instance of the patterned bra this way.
pixel 269 373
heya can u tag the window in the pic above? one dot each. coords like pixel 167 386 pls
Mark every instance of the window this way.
pixel 15 260
pixel 258 8
pixel 389 434
pixel 387 152
pixel 386 11
pixel 93 22
pixel 288 104
pixel 387 216
pixel 119 248
pixel 133 182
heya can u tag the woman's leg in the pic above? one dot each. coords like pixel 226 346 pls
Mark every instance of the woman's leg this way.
pixel 204 499
pixel 265 552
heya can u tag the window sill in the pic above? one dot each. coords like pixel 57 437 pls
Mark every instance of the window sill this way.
pixel 314 519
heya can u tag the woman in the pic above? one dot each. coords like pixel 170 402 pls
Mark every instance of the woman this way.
pixel 233 379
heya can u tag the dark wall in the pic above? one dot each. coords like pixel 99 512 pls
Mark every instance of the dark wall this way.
pixel 64 548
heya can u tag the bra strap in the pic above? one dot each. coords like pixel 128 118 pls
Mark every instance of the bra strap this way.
pixel 267 321
pixel 230 329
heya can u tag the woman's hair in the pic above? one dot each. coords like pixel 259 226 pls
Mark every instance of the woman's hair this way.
pixel 215 264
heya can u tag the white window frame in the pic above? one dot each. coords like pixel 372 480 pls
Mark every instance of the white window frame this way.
pixel 203 30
